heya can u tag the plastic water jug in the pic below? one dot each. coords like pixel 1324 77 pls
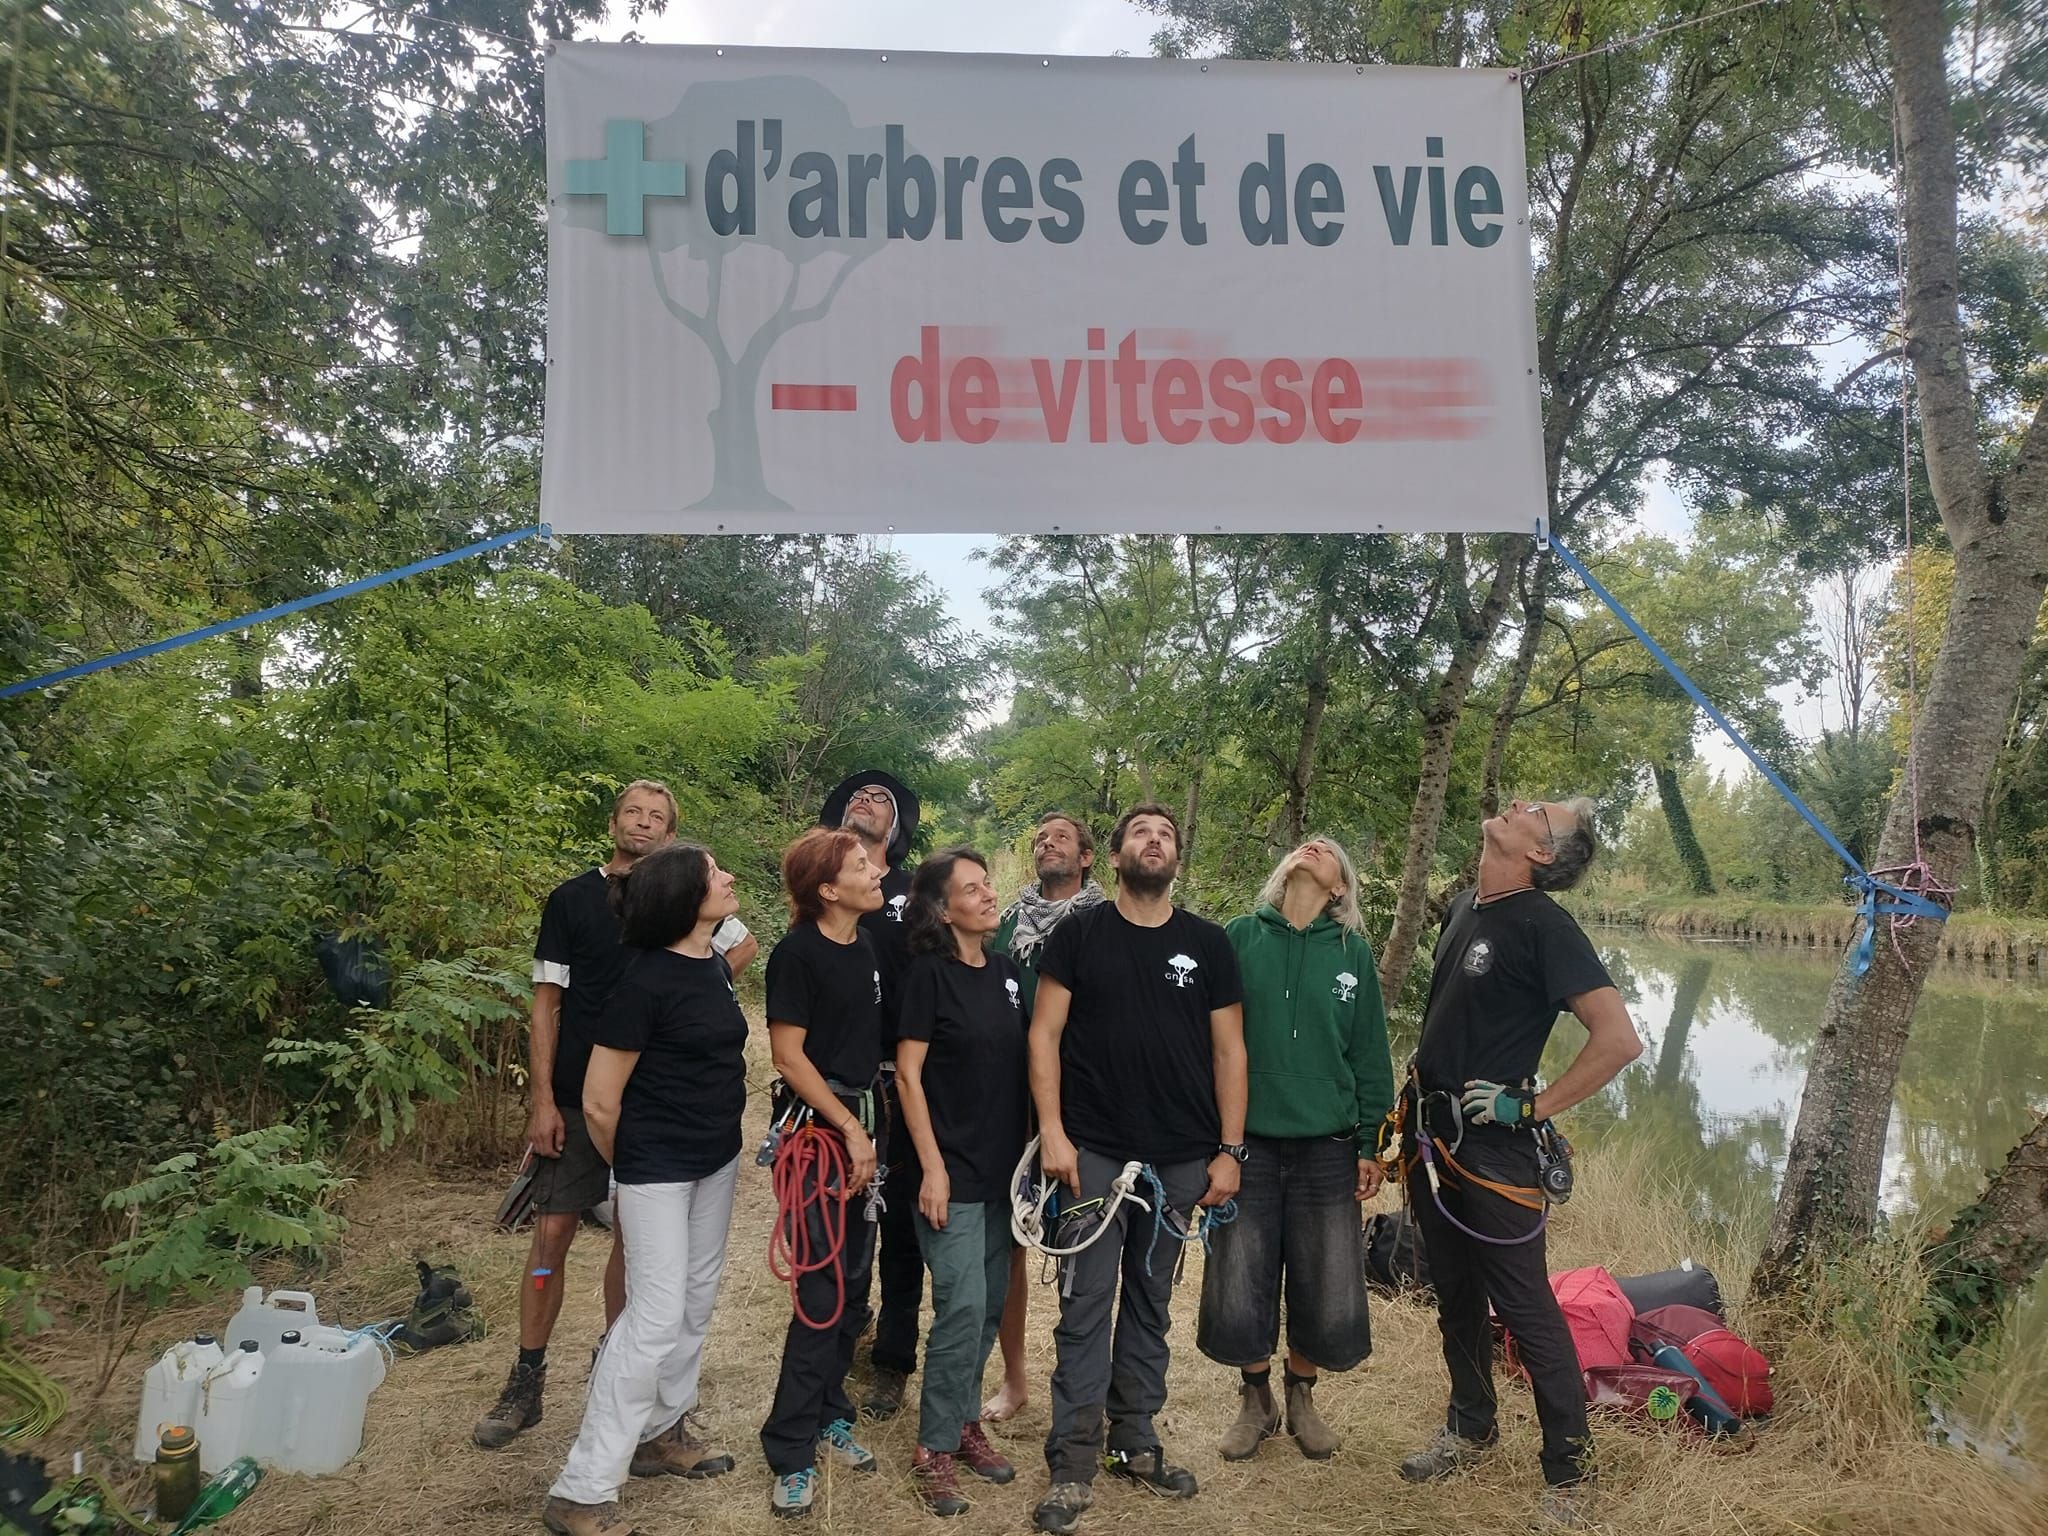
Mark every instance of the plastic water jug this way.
pixel 170 1390
pixel 316 1390
pixel 230 1407
pixel 266 1319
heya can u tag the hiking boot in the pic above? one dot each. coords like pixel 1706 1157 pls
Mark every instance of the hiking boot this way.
pixel 1258 1417
pixel 1446 1454
pixel 1059 1512
pixel 1149 1468
pixel 885 1394
pixel 517 1407
pixel 1315 1437
pixel 1568 1506
pixel 938 1484
pixel 790 1498
pixel 680 1453
pixel 981 1458
pixel 847 1451
pixel 566 1518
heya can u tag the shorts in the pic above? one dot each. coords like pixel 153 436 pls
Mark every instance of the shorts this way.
pixel 1297 1235
pixel 579 1178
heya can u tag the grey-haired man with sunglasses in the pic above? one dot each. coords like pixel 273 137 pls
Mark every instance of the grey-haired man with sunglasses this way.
pixel 1508 960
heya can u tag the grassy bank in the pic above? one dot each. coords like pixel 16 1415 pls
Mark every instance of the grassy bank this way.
pixel 2018 946
pixel 1847 1451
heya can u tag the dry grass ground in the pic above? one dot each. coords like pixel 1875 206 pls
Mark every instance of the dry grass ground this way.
pixel 1844 1454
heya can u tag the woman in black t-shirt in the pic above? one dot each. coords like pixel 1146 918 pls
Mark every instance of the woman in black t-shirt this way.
pixel 962 1078
pixel 663 1097
pixel 825 1030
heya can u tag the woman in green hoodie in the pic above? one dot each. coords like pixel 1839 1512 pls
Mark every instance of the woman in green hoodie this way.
pixel 1315 1036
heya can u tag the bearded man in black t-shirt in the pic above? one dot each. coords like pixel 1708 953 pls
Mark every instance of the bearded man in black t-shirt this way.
pixel 1507 961
pixel 1137 1056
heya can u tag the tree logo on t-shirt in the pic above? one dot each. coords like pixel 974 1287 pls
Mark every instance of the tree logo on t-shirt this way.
pixel 896 904
pixel 878 986
pixel 1010 984
pixel 1181 970
pixel 1347 984
pixel 1479 958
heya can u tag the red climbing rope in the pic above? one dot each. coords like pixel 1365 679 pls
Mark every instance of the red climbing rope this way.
pixel 810 1174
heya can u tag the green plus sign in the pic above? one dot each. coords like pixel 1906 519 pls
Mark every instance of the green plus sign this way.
pixel 623 178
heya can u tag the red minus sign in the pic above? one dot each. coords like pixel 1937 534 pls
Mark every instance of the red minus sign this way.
pixel 812 397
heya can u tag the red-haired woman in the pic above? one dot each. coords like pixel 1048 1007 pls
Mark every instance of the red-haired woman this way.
pixel 825 1033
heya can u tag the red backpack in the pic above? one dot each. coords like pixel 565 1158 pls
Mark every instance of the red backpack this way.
pixel 1733 1367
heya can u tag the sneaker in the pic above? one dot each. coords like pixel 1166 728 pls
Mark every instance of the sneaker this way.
pixel 1149 1468
pixel 679 1452
pixel 937 1482
pixel 1568 1506
pixel 1446 1454
pixel 791 1496
pixel 981 1458
pixel 847 1451
pixel 517 1407
pixel 1258 1419
pixel 1059 1512
pixel 885 1394
pixel 566 1518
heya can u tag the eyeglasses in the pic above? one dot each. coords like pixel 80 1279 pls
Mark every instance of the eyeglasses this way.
pixel 874 793
pixel 1538 809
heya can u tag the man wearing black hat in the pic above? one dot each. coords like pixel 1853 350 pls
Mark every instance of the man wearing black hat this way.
pixel 882 812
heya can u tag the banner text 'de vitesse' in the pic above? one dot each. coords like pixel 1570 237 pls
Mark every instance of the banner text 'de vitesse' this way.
pixel 795 291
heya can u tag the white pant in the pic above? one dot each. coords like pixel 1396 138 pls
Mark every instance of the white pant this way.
pixel 646 1375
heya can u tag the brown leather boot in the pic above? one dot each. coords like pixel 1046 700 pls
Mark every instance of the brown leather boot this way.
pixel 678 1452
pixel 517 1407
pixel 937 1479
pixel 566 1518
pixel 1315 1437
pixel 1258 1417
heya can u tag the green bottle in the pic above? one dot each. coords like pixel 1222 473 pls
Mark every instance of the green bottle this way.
pixel 176 1473
pixel 230 1486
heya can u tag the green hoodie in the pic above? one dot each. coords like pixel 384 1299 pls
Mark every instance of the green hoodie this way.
pixel 1315 1032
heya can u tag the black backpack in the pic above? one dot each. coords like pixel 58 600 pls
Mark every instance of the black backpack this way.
pixel 1394 1260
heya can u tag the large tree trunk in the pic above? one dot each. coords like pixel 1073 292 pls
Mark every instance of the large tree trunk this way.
pixel 1979 1266
pixel 1316 700
pixel 1699 878
pixel 1998 527
pixel 1535 598
pixel 1476 629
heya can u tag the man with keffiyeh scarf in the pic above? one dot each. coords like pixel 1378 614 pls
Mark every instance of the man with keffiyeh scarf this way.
pixel 1062 852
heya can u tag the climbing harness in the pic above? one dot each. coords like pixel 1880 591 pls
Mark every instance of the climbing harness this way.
pixel 1431 1150
pixel 1039 1221
pixel 810 1174
pixel 1034 1198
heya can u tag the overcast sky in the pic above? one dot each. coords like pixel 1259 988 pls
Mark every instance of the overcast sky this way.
pixel 975 26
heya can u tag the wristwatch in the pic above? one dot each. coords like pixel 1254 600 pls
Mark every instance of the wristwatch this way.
pixel 1236 1151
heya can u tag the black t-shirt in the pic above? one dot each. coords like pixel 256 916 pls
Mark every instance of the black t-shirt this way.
pixel 1137 1077
pixel 886 931
pixel 1502 974
pixel 578 934
pixel 679 1119
pixel 833 992
pixel 977 1074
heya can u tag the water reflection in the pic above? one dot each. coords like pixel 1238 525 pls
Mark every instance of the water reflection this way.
pixel 1726 1029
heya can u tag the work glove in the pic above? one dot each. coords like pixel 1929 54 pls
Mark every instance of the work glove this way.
pixel 1498 1104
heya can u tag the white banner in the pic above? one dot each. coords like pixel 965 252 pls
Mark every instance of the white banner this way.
pixel 794 290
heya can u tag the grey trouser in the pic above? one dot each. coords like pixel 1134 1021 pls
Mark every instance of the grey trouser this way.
pixel 1123 1378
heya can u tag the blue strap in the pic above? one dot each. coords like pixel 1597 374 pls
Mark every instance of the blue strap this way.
pixel 1219 1216
pixel 1876 898
pixel 264 615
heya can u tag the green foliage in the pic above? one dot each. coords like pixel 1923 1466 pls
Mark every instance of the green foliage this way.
pixel 425 1046
pixel 200 1217
pixel 21 1304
